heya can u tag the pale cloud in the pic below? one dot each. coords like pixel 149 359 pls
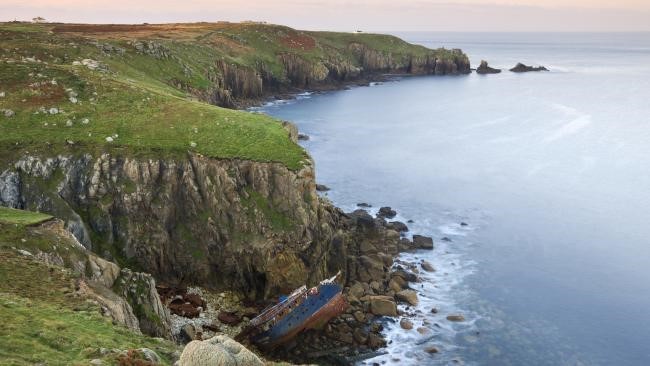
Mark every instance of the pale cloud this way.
pixel 377 15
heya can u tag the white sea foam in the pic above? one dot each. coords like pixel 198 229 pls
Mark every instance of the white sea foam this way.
pixel 440 290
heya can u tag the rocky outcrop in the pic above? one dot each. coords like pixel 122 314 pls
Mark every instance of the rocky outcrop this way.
pixel 129 298
pixel 525 68
pixel 484 68
pixel 255 227
pixel 235 85
pixel 139 289
pixel 218 350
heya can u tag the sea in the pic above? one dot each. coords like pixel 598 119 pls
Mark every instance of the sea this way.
pixel 549 171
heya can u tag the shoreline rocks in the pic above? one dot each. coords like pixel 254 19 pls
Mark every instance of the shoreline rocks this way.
pixel 525 68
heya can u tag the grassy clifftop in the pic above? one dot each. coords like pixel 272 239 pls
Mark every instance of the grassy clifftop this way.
pixel 152 88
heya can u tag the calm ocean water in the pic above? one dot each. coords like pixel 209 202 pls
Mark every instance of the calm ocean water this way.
pixel 550 170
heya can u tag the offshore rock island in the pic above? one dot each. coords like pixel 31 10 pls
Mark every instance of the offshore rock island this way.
pixel 130 194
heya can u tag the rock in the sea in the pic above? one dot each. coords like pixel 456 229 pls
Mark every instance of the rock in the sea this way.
pixel 525 68
pixel 398 226
pixel 364 205
pixel 383 306
pixel 303 137
pixel 431 349
pixel 218 351
pixel 456 318
pixel 406 324
pixel 386 212
pixel 484 68
pixel 322 188
pixel 422 242
pixel 427 266
pixel 464 224
pixel 408 296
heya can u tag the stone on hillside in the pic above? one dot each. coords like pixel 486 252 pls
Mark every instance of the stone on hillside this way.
pixel 219 350
pixel 192 144
pixel 73 100
pixel 8 113
pixel 68 123
pixel 85 121
pixel 109 139
pixel 149 355
pixel 383 306
pixel 53 110
pixel 408 296
pixel 422 242
pixel 2 94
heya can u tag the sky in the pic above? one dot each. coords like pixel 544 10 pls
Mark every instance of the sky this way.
pixel 345 15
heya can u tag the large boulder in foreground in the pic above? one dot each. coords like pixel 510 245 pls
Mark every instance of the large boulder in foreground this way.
pixel 218 351
pixel 484 68
pixel 525 68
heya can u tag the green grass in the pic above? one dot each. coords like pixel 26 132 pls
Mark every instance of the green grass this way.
pixel 150 100
pixel 43 322
pixel 20 217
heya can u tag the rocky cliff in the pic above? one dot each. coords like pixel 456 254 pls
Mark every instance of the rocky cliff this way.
pixel 226 224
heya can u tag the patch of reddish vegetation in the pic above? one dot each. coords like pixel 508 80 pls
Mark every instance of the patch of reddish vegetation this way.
pixel 180 302
pixel 134 358
pixel 299 41
pixel 229 318
pixel 45 94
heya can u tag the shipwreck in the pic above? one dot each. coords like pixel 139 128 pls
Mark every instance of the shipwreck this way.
pixel 303 309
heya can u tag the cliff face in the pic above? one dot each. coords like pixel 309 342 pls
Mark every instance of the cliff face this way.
pixel 237 85
pixel 251 226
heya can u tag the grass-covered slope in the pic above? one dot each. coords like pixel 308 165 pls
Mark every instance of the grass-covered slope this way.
pixel 149 88
pixel 44 320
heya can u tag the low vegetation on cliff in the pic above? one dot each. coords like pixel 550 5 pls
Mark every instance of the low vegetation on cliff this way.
pixel 45 320
pixel 150 89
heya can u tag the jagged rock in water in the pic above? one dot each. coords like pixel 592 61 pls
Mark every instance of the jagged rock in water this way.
pixel 484 68
pixel 422 242
pixel 525 68
pixel 386 212
pixel 408 296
